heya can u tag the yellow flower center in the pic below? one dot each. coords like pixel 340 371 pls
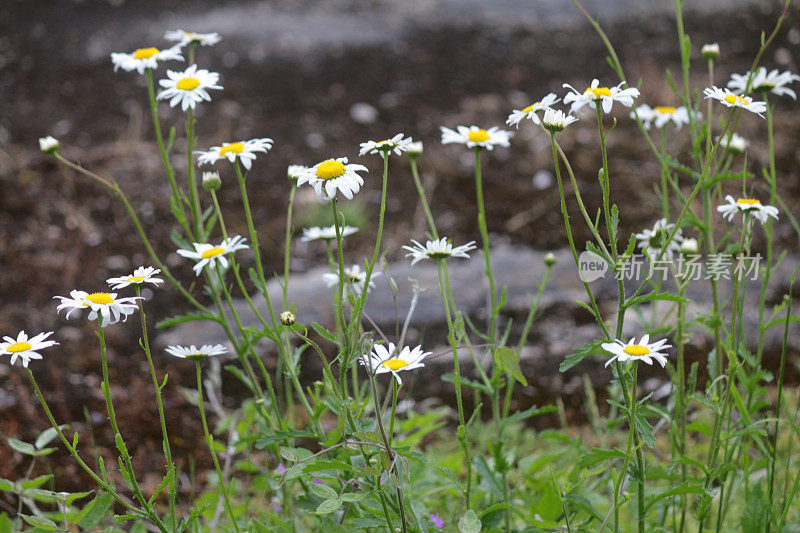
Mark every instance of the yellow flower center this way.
pixel 478 136
pixel 394 364
pixel 530 107
pixel 327 170
pixel 599 91
pixel 188 84
pixel 145 53
pixel 212 252
pixel 667 110
pixel 236 148
pixel 635 349
pixel 99 298
pixel 135 279
pixel 191 34
pixel 19 347
pixel 748 201
pixel 737 100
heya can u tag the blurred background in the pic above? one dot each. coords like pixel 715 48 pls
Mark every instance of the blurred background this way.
pixel 319 77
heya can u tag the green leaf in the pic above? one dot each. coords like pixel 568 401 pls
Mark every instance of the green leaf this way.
pixel 519 416
pixel 46 436
pixel 683 488
pixel 22 447
pixel 323 491
pixel 328 506
pixel 583 504
pixel 188 317
pixel 598 455
pixel 93 513
pixel 324 333
pixel 575 358
pixel 645 430
pixel 6 484
pixel 39 521
pixel 469 523
pixel 36 482
pixel 664 295
pixel 507 360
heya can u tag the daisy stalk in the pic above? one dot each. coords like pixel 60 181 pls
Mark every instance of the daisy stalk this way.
pixel 145 343
pixel 210 443
pixel 422 196
pixel 493 311
pixel 177 197
pixel 193 191
pixel 341 325
pixel 441 266
pixel 146 512
pixel 768 229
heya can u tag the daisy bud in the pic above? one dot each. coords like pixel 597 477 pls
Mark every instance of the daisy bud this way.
pixel 414 149
pixel 288 318
pixel 689 246
pixel 550 259
pixel 710 51
pixel 48 144
pixel 211 181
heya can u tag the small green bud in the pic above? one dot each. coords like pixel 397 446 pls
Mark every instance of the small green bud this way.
pixel 288 318
pixel 211 181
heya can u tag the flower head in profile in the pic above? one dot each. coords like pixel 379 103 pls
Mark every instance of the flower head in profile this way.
pixel 140 276
pixel 187 37
pixel 293 171
pixel 25 349
pixel 652 241
pixel 101 304
pixel 475 137
pixel 325 234
pixel 774 82
pixel 747 206
pixel 733 143
pixel 196 354
pixel 385 359
pixel 397 144
pixel 243 151
pixel 334 175
pixel 144 58
pixel 354 277
pixel 661 115
pixel 555 120
pixel 730 99
pixel 518 115
pixel 48 144
pixel 642 351
pixel 605 95
pixel 188 87
pixel 209 255
pixel 437 249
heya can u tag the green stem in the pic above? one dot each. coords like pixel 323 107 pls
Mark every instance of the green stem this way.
pixel 160 405
pixel 423 200
pixel 210 443
pixel 485 241
pixel 193 194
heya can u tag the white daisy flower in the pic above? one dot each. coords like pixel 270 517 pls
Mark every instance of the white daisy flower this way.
pixel 48 144
pixel 143 58
pixel 643 351
pixel 244 151
pixel 747 206
pixel 475 137
pixel 140 276
pixel 293 171
pixel 103 304
pixel 414 149
pixel 208 254
pixel 556 120
pixel 437 249
pixel 652 241
pixel 385 359
pixel 354 277
pixel 733 143
pixel 729 99
pixel 397 144
pixel 773 82
pixel 689 246
pixel 24 348
pixel 188 87
pixel 186 37
pixel 518 115
pixel 325 234
pixel 662 115
pixel 334 175
pixel 607 96
pixel 196 354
